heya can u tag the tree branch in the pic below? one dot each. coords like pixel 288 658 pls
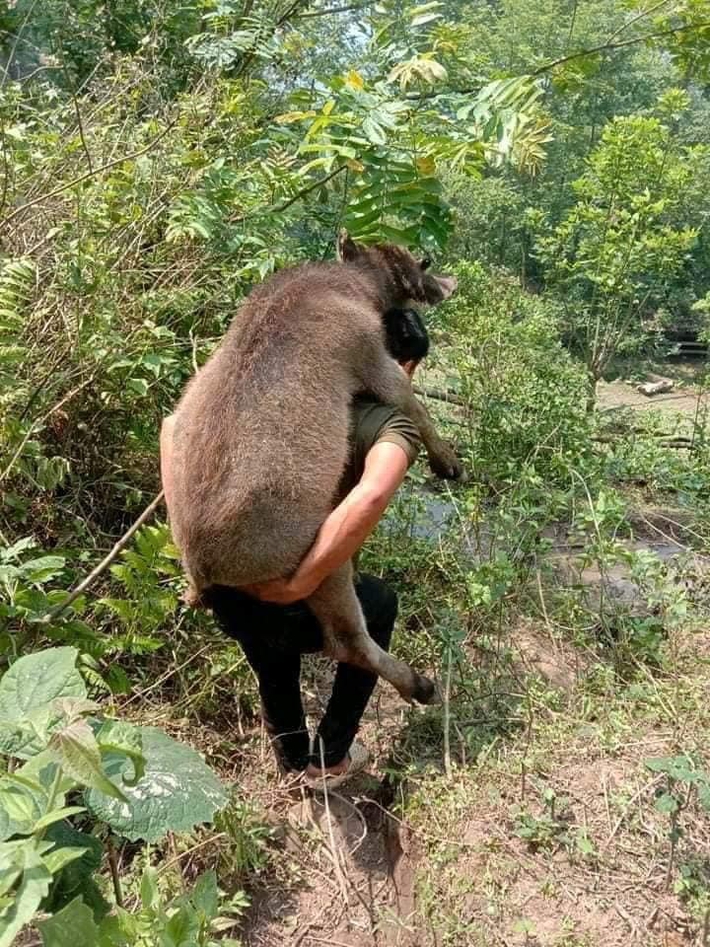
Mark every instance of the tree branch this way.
pixel 606 46
pixel 89 174
pixel 279 208
pixel 639 16
pixel 344 9
pixel 106 561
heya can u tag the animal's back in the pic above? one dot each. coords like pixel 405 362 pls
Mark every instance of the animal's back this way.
pixel 261 433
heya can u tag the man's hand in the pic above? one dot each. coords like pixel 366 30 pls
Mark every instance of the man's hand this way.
pixel 280 591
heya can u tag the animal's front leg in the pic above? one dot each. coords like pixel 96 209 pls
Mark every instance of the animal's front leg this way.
pixel 388 383
pixel 442 459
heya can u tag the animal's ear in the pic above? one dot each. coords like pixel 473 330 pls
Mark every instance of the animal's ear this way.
pixel 345 248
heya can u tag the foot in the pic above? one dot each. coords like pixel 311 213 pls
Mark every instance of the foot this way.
pixel 353 762
pixel 315 772
pixel 445 464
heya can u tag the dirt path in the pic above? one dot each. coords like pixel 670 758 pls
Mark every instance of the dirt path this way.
pixel 619 394
pixel 352 865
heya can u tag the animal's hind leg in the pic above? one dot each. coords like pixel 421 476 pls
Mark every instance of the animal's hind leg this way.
pixel 335 605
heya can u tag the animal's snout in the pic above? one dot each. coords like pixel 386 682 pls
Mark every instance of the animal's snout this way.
pixel 447 285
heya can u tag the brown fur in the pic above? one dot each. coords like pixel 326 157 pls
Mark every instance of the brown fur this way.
pixel 261 433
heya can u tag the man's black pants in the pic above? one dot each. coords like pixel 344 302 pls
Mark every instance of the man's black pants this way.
pixel 274 637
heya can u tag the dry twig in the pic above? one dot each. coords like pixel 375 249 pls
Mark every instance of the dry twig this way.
pixel 106 561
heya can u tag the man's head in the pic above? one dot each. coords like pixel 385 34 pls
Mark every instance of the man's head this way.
pixel 405 278
pixel 406 337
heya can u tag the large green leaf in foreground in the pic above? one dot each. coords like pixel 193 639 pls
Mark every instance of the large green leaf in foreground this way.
pixel 27 692
pixel 177 791
pixel 36 679
pixel 73 926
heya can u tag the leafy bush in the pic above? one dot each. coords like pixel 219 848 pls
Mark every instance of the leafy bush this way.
pixel 145 589
pixel 137 781
pixel 195 918
pixel 628 237
pixel 525 396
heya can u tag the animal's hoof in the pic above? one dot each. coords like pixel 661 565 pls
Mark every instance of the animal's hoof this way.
pixel 425 691
pixel 447 466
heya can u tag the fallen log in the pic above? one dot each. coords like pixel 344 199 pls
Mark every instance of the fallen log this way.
pixel 651 388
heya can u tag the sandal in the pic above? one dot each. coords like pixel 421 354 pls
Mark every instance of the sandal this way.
pixel 358 758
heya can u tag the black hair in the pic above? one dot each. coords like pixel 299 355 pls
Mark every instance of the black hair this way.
pixel 407 337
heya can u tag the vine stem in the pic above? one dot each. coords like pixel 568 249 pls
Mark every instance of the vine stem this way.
pixel 115 876
pixel 447 715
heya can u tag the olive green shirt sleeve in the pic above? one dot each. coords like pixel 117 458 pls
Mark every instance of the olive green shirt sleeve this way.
pixel 382 423
pixel 375 423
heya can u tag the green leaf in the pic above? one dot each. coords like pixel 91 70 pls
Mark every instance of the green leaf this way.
pixel 120 930
pixel 425 18
pixel 46 567
pixel 205 894
pixel 73 926
pixel 584 844
pixel 29 686
pixel 20 805
pixel 11 864
pixel 140 385
pixel 150 894
pixel 677 767
pixel 182 928
pixel 117 736
pixel 56 815
pixel 77 876
pixel 59 858
pixel 374 132
pixel 667 803
pixel 32 888
pixel 80 756
pixel 42 770
pixel 13 552
pixel 19 815
pixel 177 791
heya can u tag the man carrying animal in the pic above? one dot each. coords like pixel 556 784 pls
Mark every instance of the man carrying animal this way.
pixel 271 621
pixel 260 442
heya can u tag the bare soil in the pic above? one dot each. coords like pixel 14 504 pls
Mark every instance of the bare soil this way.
pixel 619 394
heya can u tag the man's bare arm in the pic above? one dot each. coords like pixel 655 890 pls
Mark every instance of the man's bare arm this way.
pixel 342 533
pixel 345 529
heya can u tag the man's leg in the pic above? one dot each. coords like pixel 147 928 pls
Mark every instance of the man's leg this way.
pixel 272 638
pixel 353 687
